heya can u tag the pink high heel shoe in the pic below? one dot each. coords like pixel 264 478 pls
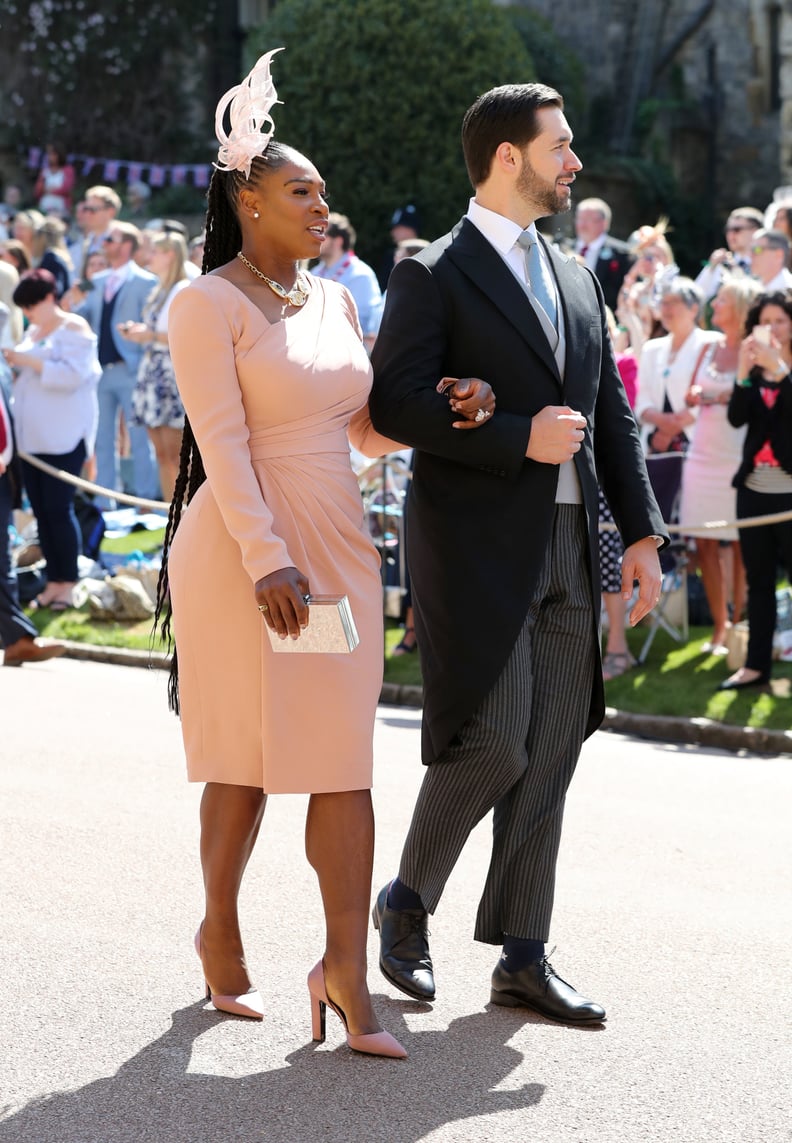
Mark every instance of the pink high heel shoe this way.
pixel 248 1004
pixel 372 1044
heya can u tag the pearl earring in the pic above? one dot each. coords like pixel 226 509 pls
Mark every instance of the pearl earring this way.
pixel 256 214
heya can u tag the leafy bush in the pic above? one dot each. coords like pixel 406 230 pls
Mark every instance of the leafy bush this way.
pixel 115 79
pixel 374 93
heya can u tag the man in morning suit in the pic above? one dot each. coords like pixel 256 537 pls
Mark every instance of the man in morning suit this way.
pixel 609 258
pixel 503 543
pixel 117 299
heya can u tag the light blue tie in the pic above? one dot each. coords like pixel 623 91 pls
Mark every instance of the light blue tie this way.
pixel 538 275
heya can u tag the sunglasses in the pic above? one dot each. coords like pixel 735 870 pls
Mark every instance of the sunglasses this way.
pixel 113 241
pixel 92 209
pixel 758 249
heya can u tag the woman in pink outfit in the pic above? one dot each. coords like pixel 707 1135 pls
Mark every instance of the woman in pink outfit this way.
pixel 274 378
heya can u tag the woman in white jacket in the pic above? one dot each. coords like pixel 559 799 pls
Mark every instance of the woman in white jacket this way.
pixel 666 369
pixel 55 412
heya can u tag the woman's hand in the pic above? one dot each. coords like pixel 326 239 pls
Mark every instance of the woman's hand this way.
pixel 693 397
pixel 766 357
pixel 281 600
pixel 22 360
pixel 136 331
pixel 471 397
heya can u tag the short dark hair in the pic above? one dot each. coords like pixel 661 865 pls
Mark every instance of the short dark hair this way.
pixel 339 226
pixel 34 286
pixel 505 114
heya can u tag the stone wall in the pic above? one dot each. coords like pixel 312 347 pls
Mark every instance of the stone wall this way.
pixel 730 140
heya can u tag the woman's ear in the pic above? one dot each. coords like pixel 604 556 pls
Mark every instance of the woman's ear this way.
pixel 248 204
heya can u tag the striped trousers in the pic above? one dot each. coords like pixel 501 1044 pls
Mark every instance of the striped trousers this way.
pixel 516 755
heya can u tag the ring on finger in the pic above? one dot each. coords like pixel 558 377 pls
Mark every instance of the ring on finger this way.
pixel 481 415
pixel 262 608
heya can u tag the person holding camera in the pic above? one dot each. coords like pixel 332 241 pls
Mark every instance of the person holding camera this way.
pixel 762 401
pixel 740 230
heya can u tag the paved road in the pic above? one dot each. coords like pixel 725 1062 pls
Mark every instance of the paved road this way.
pixel 673 910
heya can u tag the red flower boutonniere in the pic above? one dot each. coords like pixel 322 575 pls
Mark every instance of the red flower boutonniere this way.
pixel 614 265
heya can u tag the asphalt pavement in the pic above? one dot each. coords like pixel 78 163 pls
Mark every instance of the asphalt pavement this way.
pixel 673 910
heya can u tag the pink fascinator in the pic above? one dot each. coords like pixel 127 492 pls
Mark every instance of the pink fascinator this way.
pixel 249 105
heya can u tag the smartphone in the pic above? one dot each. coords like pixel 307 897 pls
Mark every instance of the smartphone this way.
pixel 762 334
pixel 86 285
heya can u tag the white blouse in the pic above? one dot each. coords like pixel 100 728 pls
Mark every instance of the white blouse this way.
pixel 658 376
pixel 55 409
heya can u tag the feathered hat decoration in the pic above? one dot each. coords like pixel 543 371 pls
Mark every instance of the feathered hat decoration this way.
pixel 249 105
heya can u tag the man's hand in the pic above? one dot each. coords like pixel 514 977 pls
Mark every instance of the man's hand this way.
pixel 556 433
pixel 641 562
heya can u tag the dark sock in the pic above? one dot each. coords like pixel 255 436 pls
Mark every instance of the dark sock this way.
pixel 519 952
pixel 401 896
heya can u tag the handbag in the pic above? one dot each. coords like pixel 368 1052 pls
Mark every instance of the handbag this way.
pixel 679 442
pixel 331 629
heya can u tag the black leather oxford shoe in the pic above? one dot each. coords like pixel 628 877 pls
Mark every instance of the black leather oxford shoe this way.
pixel 404 948
pixel 539 987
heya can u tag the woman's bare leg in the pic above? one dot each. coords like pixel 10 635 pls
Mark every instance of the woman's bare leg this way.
pixel 167 446
pixel 230 821
pixel 339 843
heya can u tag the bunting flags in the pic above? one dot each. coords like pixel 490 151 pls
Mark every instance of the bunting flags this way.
pixel 125 170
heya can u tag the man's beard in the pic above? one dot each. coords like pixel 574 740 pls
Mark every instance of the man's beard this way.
pixel 536 191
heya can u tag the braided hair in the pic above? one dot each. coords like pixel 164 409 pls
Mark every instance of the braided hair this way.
pixel 223 240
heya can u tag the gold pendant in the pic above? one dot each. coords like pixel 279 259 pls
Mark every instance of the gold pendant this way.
pixel 297 296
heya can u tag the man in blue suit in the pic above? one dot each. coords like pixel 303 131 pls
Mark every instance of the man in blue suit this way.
pixel 117 298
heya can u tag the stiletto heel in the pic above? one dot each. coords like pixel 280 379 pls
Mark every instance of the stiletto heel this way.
pixel 247 1004
pixel 318 1019
pixel 372 1043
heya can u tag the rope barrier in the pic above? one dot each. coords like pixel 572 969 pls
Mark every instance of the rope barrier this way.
pixel 162 505
pixel 88 486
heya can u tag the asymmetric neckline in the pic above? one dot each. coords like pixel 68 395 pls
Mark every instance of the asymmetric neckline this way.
pixel 260 312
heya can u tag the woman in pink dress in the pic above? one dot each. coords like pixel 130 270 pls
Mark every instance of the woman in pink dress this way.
pixel 274 378
pixel 713 458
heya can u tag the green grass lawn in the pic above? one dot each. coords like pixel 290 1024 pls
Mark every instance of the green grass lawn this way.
pixel 675 680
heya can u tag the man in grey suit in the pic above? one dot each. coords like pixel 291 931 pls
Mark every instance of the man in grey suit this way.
pixel 117 299
pixel 503 541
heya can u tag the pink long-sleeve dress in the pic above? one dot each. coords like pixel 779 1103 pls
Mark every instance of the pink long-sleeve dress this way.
pixel 272 407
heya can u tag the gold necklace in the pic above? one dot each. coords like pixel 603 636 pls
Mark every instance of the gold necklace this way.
pixel 296 296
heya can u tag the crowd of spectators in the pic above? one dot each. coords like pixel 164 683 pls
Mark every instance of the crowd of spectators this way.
pixel 713 397
pixel 677 344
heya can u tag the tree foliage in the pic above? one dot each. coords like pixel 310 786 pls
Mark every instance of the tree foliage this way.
pixel 555 63
pixel 117 78
pixel 374 93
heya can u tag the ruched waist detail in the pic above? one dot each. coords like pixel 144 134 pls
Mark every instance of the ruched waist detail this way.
pixel 268 443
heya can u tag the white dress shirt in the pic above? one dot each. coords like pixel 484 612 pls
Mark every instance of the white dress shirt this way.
pixel 502 234
pixel 782 281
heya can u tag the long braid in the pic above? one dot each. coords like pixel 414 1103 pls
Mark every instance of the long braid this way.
pixel 223 240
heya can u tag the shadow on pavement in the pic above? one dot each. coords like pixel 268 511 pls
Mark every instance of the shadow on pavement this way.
pixel 334 1095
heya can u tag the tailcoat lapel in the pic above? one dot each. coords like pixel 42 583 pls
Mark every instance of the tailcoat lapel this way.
pixel 477 259
pixel 575 302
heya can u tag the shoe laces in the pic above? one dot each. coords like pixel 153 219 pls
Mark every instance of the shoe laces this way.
pixel 549 970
